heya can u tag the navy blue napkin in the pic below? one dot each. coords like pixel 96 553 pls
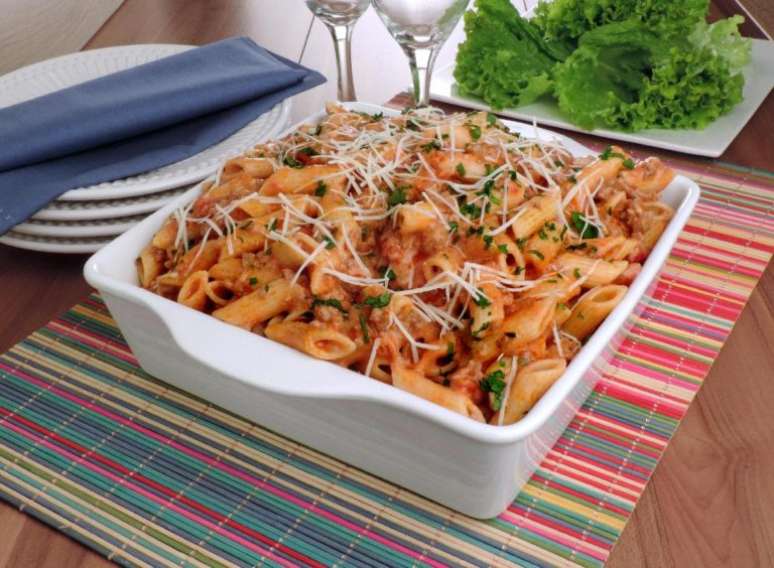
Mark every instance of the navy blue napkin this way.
pixel 136 120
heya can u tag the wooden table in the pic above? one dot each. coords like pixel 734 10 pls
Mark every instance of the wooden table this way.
pixel 711 501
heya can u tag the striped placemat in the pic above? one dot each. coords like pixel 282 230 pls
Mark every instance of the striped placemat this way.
pixel 149 475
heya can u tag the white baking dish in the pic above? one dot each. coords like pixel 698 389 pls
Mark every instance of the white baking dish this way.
pixel 474 468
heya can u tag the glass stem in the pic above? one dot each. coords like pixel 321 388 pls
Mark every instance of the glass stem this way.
pixel 421 61
pixel 342 41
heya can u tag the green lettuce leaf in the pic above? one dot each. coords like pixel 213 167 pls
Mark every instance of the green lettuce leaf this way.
pixel 723 39
pixel 630 76
pixel 504 60
pixel 567 20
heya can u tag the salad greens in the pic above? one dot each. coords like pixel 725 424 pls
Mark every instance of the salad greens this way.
pixel 625 76
pixel 503 60
pixel 622 64
pixel 568 20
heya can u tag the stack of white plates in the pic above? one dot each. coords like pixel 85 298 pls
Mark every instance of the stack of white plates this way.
pixel 84 219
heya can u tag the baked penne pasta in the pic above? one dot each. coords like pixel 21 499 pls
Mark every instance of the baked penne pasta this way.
pixel 440 254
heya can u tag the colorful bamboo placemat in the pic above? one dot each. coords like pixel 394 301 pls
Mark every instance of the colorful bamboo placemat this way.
pixel 149 475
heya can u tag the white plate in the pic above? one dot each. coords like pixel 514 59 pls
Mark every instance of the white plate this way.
pixel 61 72
pixel 78 229
pixel 52 244
pixel 712 141
pixel 106 208
pixel 472 467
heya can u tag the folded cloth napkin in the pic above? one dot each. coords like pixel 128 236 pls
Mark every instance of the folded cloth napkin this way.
pixel 136 120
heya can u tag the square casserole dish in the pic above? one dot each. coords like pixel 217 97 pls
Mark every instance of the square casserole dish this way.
pixel 474 468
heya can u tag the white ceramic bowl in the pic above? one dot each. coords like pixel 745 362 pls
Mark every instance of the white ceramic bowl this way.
pixel 474 468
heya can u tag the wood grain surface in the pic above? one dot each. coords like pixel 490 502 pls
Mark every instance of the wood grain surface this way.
pixel 711 500
pixel 34 30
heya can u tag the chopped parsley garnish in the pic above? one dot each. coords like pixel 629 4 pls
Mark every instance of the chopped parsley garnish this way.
pixel 494 383
pixel 320 189
pixel 318 130
pixel 471 210
pixel 460 169
pixel 412 124
pixel 583 226
pixel 491 119
pixel 512 175
pixel 397 197
pixel 487 191
pixel 475 131
pixel 573 179
pixel 389 273
pixel 520 243
pixel 377 116
pixel 503 248
pixel 576 273
pixel 628 164
pixel 381 301
pixel 309 151
pixel 542 234
pixel 453 226
pixel 487 241
pixel 331 302
pixel 329 243
pixel 271 225
pixel 609 153
pixel 579 246
pixel 292 162
pixel 518 270
pixel 537 253
pixel 430 146
pixel 481 301
pixel 564 230
pixel 364 327
pixel 253 281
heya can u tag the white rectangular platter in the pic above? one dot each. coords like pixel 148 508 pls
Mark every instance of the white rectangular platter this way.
pixel 471 467
pixel 711 141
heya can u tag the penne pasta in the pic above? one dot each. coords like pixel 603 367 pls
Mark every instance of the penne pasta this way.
pixel 258 306
pixel 413 382
pixel 319 342
pixel 591 308
pixel 440 254
pixel 589 271
pixel 531 383
pixel 193 293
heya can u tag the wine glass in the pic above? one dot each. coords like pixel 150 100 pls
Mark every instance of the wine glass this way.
pixel 340 16
pixel 420 27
